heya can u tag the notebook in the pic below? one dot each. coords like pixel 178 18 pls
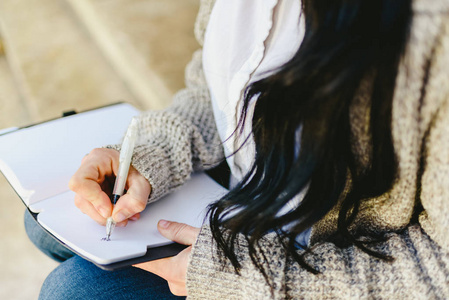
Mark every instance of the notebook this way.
pixel 38 161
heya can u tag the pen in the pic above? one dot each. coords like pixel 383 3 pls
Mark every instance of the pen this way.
pixel 124 162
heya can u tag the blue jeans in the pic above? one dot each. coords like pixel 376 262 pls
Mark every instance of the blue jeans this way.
pixel 76 278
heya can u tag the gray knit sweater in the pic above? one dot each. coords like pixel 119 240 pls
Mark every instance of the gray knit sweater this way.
pixel 183 138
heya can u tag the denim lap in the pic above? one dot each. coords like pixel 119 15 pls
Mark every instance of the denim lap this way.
pixel 77 278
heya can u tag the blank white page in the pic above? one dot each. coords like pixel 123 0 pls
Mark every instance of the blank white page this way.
pixel 187 205
pixel 39 161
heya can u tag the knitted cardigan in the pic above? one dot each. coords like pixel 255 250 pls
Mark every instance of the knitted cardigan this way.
pixel 183 138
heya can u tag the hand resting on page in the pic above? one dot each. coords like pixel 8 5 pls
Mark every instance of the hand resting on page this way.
pixel 93 183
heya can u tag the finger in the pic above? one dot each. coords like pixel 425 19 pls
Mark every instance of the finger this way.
pixel 98 164
pixel 105 159
pixel 87 208
pixel 178 232
pixel 136 197
pixel 138 186
pixel 122 224
pixel 91 192
pixel 135 217
pixel 91 179
pixel 86 183
pixel 126 207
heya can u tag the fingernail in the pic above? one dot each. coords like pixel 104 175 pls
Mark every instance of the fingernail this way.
pixel 122 224
pixel 164 224
pixel 119 217
pixel 104 212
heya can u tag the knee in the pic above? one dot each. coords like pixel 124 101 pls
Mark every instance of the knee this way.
pixel 55 285
pixel 72 279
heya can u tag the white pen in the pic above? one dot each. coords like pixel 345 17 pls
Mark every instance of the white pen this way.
pixel 124 162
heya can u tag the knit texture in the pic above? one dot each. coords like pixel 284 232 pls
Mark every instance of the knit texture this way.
pixel 183 138
pixel 419 271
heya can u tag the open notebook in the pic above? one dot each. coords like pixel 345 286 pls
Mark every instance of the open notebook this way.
pixel 38 161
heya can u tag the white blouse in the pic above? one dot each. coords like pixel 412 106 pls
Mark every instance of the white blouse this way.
pixel 244 42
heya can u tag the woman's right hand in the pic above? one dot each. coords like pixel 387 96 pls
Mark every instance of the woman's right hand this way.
pixel 94 181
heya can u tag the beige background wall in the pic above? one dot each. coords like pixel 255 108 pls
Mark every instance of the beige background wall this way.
pixel 58 55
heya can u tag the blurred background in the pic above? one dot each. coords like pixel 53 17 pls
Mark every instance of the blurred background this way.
pixel 61 55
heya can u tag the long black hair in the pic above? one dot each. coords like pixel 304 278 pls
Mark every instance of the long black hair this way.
pixel 347 43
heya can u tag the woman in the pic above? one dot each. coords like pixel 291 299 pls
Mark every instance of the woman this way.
pixel 333 117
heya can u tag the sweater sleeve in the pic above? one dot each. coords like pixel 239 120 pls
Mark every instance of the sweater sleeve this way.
pixel 435 180
pixel 183 138
pixel 420 265
pixel 177 141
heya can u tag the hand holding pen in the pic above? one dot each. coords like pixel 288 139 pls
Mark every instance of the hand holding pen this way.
pixel 93 184
pixel 126 154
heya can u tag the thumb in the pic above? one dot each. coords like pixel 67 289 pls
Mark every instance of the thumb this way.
pixel 178 232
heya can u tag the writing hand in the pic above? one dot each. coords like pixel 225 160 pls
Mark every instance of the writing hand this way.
pixel 93 183
pixel 174 269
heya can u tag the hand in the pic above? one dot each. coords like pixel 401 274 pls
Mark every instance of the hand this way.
pixel 93 183
pixel 174 269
